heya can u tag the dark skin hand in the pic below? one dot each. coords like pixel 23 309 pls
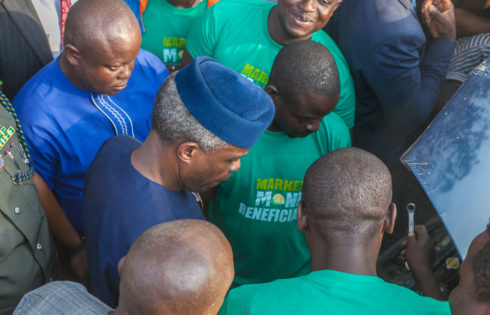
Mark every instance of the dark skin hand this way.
pixel 418 250
pixel 438 15
pixel 62 229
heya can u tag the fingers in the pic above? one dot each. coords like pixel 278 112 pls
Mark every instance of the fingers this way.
pixel 425 11
pixel 421 232
pixel 438 15
pixel 420 229
pixel 404 244
pixel 425 5
pixel 435 14
pixel 443 5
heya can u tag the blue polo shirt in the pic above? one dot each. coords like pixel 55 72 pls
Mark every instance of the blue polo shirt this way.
pixel 120 204
pixel 65 126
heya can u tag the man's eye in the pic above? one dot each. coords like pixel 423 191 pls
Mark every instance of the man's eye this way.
pixel 112 68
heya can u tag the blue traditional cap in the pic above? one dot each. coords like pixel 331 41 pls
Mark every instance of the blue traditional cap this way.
pixel 224 102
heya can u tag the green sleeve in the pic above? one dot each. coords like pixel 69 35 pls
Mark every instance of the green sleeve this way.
pixel 337 133
pixel 202 38
pixel 346 107
pixel 224 307
pixel 237 302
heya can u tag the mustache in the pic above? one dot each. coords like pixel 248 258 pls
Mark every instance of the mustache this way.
pixel 304 17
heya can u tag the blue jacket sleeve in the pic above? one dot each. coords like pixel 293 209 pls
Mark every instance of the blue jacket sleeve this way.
pixel 406 80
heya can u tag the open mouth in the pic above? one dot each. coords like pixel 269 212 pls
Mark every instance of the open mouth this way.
pixel 301 19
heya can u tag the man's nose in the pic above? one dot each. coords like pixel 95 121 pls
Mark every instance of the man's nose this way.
pixel 235 166
pixel 308 5
pixel 125 72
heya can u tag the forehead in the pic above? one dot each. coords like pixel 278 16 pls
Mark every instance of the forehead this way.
pixel 113 47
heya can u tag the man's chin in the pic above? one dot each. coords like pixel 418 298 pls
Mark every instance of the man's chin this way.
pixel 117 89
pixel 205 188
pixel 108 92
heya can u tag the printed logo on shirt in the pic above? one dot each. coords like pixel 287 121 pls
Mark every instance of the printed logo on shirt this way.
pixel 276 200
pixel 255 75
pixel 173 50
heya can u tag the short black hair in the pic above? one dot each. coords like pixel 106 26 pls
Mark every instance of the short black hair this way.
pixel 481 271
pixel 305 64
pixel 348 190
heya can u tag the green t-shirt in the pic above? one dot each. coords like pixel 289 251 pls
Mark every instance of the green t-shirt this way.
pixel 256 207
pixel 330 292
pixel 235 33
pixel 166 29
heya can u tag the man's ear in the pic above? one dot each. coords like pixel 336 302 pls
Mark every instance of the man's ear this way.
pixel 302 222
pixel 120 264
pixel 186 151
pixel 272 90
pixel 389 221
pixel 72 54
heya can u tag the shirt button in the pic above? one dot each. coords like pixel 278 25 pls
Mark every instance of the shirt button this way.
pixel 17 210
pixel 39 246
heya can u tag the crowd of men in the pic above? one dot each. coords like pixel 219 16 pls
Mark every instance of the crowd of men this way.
pixel 195 156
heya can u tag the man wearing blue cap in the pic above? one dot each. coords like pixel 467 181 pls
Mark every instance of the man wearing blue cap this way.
pixel 205 118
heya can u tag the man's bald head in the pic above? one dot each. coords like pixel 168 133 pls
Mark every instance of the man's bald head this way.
pixel 101 42
pixel 90 21
pixel 179 267
pixel 348 192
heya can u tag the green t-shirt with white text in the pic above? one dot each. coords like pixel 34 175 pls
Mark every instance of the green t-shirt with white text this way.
pixel 166 29
pixel 256 207
pixel 235 33
pixel 330 292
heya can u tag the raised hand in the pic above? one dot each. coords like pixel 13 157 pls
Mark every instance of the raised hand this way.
pixel 438 15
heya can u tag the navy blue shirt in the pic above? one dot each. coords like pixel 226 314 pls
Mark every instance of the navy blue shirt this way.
pixel 120 204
